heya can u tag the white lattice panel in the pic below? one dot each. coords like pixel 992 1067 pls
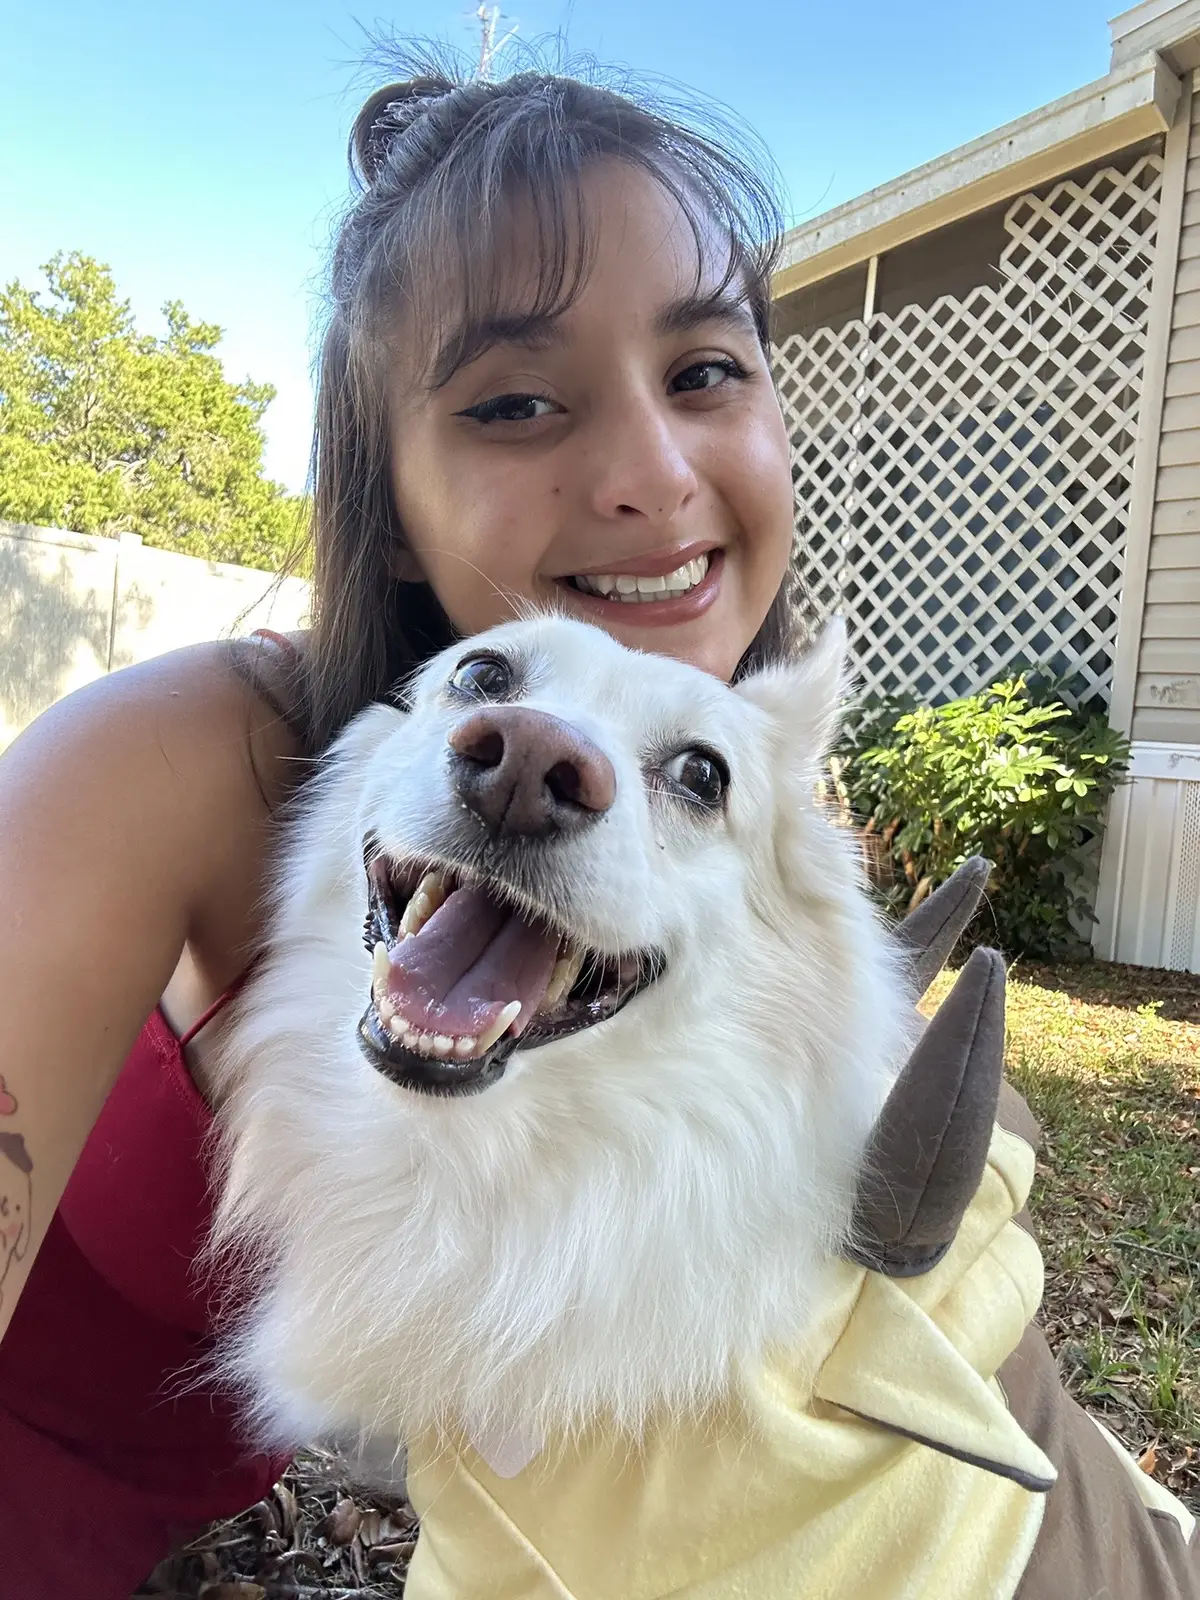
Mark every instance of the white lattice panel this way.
pixel 963 471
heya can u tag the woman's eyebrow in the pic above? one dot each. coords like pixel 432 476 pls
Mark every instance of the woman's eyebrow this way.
pixel 694 310
pixel 533 330
pixel 540 330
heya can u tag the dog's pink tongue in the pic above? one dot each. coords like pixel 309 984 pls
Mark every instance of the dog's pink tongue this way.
pixel 471 959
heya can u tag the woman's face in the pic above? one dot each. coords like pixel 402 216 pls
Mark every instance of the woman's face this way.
pixel 625 461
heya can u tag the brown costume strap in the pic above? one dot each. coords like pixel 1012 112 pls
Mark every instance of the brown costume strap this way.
pixel 1096 1538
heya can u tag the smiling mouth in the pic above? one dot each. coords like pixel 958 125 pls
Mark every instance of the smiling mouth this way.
pixel 627 589
pixel 464 974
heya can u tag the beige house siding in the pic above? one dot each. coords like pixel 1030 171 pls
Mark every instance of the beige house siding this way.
pixel 1167 693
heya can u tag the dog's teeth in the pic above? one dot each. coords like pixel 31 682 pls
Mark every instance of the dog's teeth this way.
pixel 385 1008
pixel 466 1047
pixel 416 914
pixel 501 1026
pixel 435 886
pixel 380 967
pixel 397 1026
pixel 566 970
pixel 441 1045
pixel 429 894
pixel 573 963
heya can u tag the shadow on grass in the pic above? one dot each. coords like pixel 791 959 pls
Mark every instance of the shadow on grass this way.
pixel 1109 983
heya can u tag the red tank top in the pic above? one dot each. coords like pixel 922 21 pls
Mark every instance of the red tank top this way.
pixel 107 1452
pixel 110 1448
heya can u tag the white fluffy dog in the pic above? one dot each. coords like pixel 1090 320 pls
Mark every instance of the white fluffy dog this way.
pixel 614 1182
pixel 629 1021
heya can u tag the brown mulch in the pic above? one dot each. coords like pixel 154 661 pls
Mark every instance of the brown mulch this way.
pixel 315 1535
pixel 1109 1059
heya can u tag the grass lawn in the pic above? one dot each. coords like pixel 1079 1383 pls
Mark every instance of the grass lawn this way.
pixel 1109 1060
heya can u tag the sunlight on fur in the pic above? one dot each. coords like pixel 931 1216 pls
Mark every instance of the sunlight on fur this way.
pixel 628 1211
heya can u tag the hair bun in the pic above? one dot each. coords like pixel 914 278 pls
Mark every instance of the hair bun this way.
pixel 390 111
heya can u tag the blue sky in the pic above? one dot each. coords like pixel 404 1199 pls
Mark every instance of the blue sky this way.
pixel 200 150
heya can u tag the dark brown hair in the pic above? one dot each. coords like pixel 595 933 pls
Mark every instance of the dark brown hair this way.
pixel 438 160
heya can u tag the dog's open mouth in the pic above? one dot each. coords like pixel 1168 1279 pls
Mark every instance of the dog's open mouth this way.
pixel 463 975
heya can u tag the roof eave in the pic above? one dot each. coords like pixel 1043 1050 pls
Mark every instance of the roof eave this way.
pixel 1172 27
pixel 1130 104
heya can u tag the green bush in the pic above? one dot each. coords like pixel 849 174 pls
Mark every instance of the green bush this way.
pixel 1017 773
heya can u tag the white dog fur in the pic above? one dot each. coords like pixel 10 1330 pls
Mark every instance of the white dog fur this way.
pixel 629 1211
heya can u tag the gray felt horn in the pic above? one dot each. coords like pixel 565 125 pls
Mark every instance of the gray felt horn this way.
pixel 927 1152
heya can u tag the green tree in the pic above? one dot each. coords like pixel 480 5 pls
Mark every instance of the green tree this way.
pixel 105 429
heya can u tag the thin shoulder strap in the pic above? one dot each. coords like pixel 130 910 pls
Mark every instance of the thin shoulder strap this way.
pixel 287 648
pixel 280 640
pixel 272 679
pixel 218 1005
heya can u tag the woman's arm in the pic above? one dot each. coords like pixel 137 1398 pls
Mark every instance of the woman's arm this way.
pixel 134 819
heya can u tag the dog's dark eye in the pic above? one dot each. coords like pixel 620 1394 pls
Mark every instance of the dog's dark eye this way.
pixel 483 678
pixel 700 774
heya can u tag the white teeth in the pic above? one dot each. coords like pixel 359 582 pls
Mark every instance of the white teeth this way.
pixel 501 1026
pixel 566 970
pixel 442 1046
pixel 429 894
pixel 426 898
pixel 379 969
pixel 379 984
pixel 636 591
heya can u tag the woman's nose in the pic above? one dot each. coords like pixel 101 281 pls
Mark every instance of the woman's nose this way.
pixel 639 465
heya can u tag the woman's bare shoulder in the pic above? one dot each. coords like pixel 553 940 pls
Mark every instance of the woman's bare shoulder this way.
pixel 220 704
pixel 187 751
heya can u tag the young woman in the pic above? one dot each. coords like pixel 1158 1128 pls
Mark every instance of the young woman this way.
pixel 546 379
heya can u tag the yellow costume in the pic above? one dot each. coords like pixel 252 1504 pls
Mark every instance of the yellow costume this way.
pixel 897 1470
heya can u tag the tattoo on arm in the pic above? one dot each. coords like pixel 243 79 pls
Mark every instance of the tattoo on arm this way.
pixel 16 1196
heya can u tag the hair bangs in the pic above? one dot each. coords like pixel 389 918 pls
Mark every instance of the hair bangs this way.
pixel 497 234
pixel 471 223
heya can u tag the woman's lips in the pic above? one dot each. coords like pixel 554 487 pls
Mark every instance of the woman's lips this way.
pixel 663 613
pixel 655 564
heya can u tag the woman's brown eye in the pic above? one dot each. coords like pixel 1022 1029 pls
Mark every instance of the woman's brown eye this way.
pixel 707 375
pixel 510 408
pixel 483 678
pixel 701 775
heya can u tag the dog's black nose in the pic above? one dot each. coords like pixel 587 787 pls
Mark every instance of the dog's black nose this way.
pixel 526 773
